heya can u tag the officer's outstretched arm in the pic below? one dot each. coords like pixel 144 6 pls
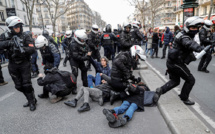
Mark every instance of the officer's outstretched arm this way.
pixel 190 44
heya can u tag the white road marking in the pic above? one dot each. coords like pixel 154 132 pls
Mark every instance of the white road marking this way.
pixel 6 96
pixel 196 107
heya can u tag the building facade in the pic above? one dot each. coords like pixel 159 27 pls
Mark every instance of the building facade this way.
pixel 7 9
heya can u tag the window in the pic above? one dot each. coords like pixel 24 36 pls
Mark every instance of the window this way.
pixel 1 3
pixel 2 16
pixel 197 12
pixel 12 4
pixel 205 10
pixel 169 4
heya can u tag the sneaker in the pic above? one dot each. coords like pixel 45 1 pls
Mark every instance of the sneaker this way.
pixel 109 115
pixel 72 103
pixel 118 123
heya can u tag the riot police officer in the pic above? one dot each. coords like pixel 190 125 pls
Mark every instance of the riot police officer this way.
pixel 180 56
pixel 204 41
pixel 50 39
pixel 107 41
pixel 50 54
pixel 20 47
pixel 78 50
pixel 93 43
pixel 136 35
pixel 116 42
pixel 66 42
pixel 125 38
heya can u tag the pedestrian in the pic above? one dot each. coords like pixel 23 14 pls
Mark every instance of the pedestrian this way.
pixel 178 57
pixel 19 59
pixel 100 67
pixel 167 41
pixel 155 41
pixel 149 43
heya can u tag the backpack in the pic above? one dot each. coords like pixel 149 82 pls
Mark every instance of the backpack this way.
pixel 68 78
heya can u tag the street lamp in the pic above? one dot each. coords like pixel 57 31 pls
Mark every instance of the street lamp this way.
pixel 188 8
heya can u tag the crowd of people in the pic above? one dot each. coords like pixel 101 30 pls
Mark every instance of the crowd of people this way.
pixel 112 80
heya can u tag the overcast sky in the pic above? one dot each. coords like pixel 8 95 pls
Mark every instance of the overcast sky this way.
pixel 112 11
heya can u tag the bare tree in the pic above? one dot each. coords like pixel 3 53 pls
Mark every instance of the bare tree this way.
pixel 60 8
pixel 154 8
pixel 140 6
pixel 29 5
pixel 211 7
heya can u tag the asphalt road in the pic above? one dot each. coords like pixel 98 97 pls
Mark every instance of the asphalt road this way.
pixel 203 91
pixel 61 119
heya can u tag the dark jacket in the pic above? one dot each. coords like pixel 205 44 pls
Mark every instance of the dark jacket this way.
pixel 137 37
pixel 51 40
pixel 54 81
pixel 121 67
pixel 51 55
pixel 99 68
pixel 66 42
pixel 155 40
pixel 105 88
pixel 183 48
pixel 78 52
pixel 125 41
pixel 107 39
pixel 17 56
pixel 93 41
pixel 168 37
pixel 203 35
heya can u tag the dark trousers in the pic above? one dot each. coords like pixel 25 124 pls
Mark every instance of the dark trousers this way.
pixel 117 47
pixel 66 56
pixel 21 76
pixel 164 49
pixel 75 65
pixel 177 71
pixel 109 52
pixel 34 65
pixel 1 75
pixel 63 93
pixel 155 48
pixel 206 59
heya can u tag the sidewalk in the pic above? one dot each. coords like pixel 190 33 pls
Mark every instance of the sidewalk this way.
pixel 178 116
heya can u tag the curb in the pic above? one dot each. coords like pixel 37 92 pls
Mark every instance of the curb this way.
pixel 178 116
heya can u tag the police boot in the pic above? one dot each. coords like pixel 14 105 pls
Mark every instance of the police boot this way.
pixel 27 103
pixel 44 95
pixel 72 103
pixel 118 123
pixel 74 90
pixel 84 107
pixel 114 96
pixel 157 95
pixel 31 100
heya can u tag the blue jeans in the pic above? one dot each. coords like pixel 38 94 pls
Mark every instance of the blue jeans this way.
pixel 96 79
pixel 130 107
pixel 146 47
pixel 151 51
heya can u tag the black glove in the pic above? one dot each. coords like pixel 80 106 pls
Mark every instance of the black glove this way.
pixel 200 48
pixel 10 43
